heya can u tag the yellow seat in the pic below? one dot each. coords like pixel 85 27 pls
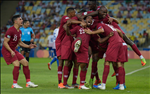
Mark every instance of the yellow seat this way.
pixel 30 8
pixel 48 11
pixel 38 11
pixel 26 7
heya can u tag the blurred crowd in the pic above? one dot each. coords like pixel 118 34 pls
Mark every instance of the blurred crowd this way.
pixel 43 24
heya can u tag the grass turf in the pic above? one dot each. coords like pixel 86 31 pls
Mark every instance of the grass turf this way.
pixel 137 83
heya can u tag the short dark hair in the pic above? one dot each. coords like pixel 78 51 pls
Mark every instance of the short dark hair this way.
pixel 101 7
pixel 70 9
pixel 93 1
pixel 14 18
pixel 24 21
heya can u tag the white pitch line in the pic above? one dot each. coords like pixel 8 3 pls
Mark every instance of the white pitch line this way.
pixel 137 70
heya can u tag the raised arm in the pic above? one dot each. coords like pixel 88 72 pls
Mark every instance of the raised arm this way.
pixel 88 31
pixel 110 19
pixel 95 13
pixel 102 40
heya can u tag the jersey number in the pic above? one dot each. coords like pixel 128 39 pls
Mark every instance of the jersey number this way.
pixel 113 29
pixel 15 38
pixel 81 31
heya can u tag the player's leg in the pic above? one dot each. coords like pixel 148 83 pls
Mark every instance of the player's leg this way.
pixel 60 67
pixel 65 75
pixel 69 68
pixel 50 52
pixel 95 59
pixel 26 72
pixel 134 47
pixel 124 73
pixel 105 75
pixel 83 72
pixel 75 74
pixel 22 52
pixel 115 67
pixel 120 75
pixel 27 50
pixel 16 74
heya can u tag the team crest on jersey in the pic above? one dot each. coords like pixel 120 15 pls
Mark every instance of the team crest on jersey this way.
pixel 8 36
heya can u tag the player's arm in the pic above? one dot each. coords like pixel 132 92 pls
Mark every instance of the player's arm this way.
pixel 98 31
pixel 110 19
pixel 32 36
pixel 72 21
pixel 120 33
pixel 102 40
pixel 5 43
pixel 25 45
pixel 85 14
pixel 67 29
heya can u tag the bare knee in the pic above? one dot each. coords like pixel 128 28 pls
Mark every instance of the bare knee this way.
pixel 16 63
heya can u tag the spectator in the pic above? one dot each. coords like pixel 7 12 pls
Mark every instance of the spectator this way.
pixel 129 7
pixel 37 35
pixel 132 37
pixel 125 21
pixel 145 35
pixel 110 14
pixel 57 3
pixel 56 17
pixel 23 9
pixel 138 8
pixel 136 41
pixel 18 9
pixel 122 8
pixel 140 35
pixel 33 16
pixel 21 3
pixel 139 15
pixel 119 15
pixel 9 22
pixel 38 18
pixel 129 15
pixel 43 26
pixel 143 8
pixel 57 9
pixel 49 24
pixel 31 3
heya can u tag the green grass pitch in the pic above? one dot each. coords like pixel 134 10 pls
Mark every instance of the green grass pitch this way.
pixel 137 83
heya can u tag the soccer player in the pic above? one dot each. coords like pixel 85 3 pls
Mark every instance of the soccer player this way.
pixel 80 46
pixel 27 37
pixel 11 56
pixel 50 44
pixel 61 49
pixel 55 33
pixel 114 22
pixel 116 52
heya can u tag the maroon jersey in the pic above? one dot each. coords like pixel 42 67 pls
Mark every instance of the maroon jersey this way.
pixel 68 39
pixel 107 29
pixel 62 32
pixel 14 37
pixel 79 31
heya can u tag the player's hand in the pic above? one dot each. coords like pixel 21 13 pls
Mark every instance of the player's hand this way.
pixel 110 19
pixel 87 31
pixel 111 34
pixel 12 53
pixel 32 40
pixel 32 46
pixel 83 24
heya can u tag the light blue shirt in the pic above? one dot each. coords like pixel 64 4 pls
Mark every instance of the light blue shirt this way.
pixel 26 33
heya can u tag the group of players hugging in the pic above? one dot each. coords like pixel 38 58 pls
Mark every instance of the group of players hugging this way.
pixel 92 33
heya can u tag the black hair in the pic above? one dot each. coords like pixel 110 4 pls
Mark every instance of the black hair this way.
pixel 93 1
pixel 81 11
pixel 70 9
pixel 102 7
pixel 14 18
pixel 24 21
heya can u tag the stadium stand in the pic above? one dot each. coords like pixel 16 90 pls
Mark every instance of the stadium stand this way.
pixel 42 14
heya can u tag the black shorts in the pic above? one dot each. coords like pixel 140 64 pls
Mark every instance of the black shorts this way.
pixel 27 50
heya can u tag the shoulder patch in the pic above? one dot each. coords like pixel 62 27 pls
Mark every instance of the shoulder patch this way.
pixel 8 36
pixel 85 13
pixel 67 18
